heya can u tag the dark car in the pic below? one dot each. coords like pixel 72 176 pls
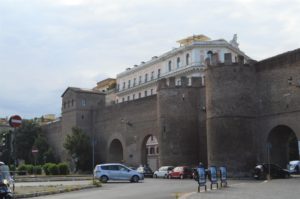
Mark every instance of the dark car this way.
pixel 181 172
pixel 146 171
pixel 261 171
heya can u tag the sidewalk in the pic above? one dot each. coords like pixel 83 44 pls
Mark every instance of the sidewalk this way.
pixel 273 189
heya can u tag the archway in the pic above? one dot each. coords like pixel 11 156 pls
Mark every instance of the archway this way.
pixel 150 152
pixel 115 151
pixel 282 145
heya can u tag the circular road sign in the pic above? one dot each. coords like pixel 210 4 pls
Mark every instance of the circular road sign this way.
pixel 15 121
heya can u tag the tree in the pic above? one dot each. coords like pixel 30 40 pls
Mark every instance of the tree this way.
pixel 30 135
pixel 79 148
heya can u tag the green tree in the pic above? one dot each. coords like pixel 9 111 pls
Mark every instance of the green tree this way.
pixel 79 148
pixel 25 137
pixel 30 135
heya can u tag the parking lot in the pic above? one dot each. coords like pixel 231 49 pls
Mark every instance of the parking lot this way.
pixel 187 189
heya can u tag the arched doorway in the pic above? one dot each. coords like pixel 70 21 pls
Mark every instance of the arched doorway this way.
pixel 115 151
pixel 150 152
pixel 282 145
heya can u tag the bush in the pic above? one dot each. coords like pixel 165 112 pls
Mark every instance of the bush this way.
pixel 22 169
pixel 63 168
pixel 46 168
pixel 37 169
pixel 29 168
pixel 53 169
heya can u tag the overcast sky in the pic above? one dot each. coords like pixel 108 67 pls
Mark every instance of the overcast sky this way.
pixel 48 45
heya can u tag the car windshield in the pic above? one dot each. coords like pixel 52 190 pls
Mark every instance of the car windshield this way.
pixel 4 172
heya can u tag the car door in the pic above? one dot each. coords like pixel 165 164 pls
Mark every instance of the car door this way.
pixel 114 172
pixel 125 173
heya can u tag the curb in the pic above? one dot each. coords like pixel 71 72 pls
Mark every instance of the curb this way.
pixel 29 195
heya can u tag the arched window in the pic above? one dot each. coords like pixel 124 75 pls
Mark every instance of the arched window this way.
pixel 209 55
pixel 187 59
pixel 170 65
pixel 178 62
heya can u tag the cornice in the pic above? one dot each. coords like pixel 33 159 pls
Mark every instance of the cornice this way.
pixel 167 55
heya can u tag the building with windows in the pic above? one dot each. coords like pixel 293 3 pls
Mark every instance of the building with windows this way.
pixel 205 101
pixel 190 60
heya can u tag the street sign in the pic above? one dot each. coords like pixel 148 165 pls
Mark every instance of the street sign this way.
pixel 15 121
pixel 34 151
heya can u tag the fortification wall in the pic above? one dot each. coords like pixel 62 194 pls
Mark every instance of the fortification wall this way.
pixel 231 112
pixel 278 91
pixel 54 136
pixel 129 122
pixel 178 110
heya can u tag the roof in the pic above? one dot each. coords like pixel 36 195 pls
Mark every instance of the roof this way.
pixel 81 90
pixel 105 82
pixel 189 40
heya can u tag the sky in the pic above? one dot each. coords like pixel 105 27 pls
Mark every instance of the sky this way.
pixel 49 45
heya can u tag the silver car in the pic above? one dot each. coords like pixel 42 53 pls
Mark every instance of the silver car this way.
pixel 116 171
pixel 163 172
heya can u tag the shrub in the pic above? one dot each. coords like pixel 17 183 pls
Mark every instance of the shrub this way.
pixel 46 168
pixel 37 169
pixel 53 169
pixel 29 168
pixel 22 169
pixel 63 168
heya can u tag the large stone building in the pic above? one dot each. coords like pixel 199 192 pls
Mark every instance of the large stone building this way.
pixel 228 119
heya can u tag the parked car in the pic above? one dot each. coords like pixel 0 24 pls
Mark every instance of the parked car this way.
pixel 116 171
pixel 163 172
pixel 145 170
pixel 181 172
pixel 261 171
pixel 294 167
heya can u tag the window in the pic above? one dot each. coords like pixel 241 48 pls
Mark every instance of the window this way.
pixel 117 101
pixel 152 75
pixel 133 96
pixel 72 103
pixel 65 104
pixel 187 59
pixel 146 77
pixel 151 92
pixel 123 99
pixel 83 102
pixel 178 62
pixel 134 81
pixel 157 150
pixel 209 55
pixel 118 87
pixel 129 82
pixel 170 65
pixel 140 95
pixel 140 79
pixel 145 93
pixel 158 73
pixel 123 85
pixel 128 98
pixel 152 150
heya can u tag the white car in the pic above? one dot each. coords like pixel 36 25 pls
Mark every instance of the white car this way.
pixel 116 171
pixel 163 172
pixel 294 166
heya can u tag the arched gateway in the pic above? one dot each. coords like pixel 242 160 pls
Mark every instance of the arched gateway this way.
pixel 282 145
pixel 115 151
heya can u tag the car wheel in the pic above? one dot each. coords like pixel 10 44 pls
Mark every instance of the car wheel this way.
pixel 155 176
pixel 104 179
pixel 135 179
pixel 181 177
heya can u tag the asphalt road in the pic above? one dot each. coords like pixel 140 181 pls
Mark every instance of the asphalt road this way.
pixel 186 189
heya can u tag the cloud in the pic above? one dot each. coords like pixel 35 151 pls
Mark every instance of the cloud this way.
pixel 46 46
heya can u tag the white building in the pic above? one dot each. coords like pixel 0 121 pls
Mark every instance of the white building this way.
pixel 190 60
